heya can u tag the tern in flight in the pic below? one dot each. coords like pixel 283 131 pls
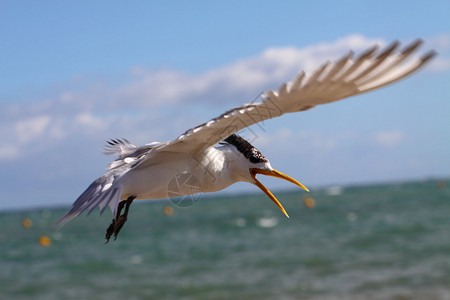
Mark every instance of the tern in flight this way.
pixel 214 157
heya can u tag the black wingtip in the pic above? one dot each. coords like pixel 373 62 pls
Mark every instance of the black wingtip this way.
pixel 389 49
pixel 412 47
pixel 429 55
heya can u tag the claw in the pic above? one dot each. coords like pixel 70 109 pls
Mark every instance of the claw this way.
pixel 120 220
pixel 109 231
pixel 118 226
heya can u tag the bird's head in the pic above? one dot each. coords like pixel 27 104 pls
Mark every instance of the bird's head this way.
pixel 259 164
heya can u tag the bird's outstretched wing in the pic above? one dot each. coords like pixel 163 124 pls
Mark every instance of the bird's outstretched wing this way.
pixel 346 77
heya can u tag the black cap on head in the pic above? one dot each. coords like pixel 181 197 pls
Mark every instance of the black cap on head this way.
pixel 250 152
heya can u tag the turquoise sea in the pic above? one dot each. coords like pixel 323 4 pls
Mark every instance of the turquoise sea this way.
pixel 389 241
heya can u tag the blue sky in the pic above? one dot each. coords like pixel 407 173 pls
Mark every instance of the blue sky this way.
pixel 75 73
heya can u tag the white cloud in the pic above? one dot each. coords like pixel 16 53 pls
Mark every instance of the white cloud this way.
pixel 303 142
pixel 389 138
pixel 87 120
pixel 31 129
pixel 129 109
pixel 319 143
pixel 245 77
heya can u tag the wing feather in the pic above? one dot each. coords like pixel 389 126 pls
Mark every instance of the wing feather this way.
pixel 336 68
pixel 331 82
pixel 351 83
pixel 101 192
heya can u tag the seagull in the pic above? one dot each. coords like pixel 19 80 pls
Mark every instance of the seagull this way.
pixel 212 156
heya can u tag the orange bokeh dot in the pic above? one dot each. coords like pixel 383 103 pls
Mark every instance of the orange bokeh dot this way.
pixel 309 202
pixel 45 241
pixel 27 223
pixel 168 210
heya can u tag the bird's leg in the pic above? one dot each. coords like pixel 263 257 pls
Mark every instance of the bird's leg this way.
pixel 120 220
pixel 110 229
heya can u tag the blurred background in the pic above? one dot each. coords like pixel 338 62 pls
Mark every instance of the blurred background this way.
pixel 77 73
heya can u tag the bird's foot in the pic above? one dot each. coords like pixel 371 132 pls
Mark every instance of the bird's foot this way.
pixel 110 231
pixel 120 220
pixel 115 228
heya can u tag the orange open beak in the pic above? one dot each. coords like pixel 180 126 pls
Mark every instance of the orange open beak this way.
pixel 277 174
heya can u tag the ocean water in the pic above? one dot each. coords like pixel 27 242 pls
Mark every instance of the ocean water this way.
pixel 368 242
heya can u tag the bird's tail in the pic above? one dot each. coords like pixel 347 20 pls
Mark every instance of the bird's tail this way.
pixel 103 191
